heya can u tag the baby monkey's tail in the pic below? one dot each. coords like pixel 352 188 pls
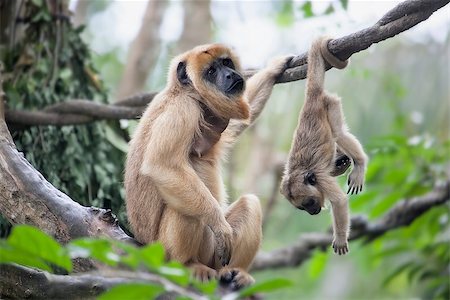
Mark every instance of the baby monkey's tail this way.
pixel 317 55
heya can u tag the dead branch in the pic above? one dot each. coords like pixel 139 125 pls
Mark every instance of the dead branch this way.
pixel 402 214
pixel 402 17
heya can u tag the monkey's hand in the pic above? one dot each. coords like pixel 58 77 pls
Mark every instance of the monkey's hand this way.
pixel 224 240
pixel 340 245
pixel 356 180
pixel 278 65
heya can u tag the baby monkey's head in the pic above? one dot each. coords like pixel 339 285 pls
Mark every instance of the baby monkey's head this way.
pixel 304 191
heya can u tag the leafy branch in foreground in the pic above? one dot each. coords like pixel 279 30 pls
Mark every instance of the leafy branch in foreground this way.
pixel 140 273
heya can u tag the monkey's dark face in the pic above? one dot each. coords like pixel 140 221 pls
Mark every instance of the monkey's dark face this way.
pixel 211 73
pixel 303 192
pixel 222 74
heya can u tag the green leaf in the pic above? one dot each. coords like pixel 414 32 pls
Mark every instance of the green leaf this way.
pixel 344 4
pixel 266 286
pixel 176 272
pixel 318 264
pixel 153 255
pixel 329 10
pixel 9 254
pixel 286 16
pixel 115 139
pixel 307 9
pixel 131 255
pixel 207 288
pixel 135 291
pixel 31 245
pixel 100 249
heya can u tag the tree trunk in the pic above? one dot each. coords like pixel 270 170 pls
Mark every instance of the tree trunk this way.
pixel 144 51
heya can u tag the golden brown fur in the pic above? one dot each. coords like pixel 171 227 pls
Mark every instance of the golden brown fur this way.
pixel 308 178
pixel 174 189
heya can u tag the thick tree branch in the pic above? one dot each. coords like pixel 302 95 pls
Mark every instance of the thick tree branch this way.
pixel 37 284
pixel 402 17
pixel 402 214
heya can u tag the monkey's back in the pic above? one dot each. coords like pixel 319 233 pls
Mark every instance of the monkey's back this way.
pixel 313 140
pixel 143 202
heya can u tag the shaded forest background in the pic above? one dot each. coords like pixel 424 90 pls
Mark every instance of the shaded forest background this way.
pixel 395 97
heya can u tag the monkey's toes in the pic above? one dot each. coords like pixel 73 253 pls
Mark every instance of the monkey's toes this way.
pixel 235 278
pixel 203 273
pixel 340 248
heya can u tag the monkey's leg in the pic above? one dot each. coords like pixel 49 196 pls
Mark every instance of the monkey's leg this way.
pixel 348 143
pixel 339 208
pixel 245 217
pixel 188 241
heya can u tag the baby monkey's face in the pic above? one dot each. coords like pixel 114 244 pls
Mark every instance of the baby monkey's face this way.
pixel 303 192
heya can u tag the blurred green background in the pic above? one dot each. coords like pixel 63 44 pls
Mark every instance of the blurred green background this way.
pixel 395 97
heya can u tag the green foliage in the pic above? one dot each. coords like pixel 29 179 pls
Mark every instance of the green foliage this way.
pixel 266 286
pixel 52 64
pixel 287 10
pixel 307 9
pixel 31 247
pixel 418 252
pixel 344 4
pixel 285 15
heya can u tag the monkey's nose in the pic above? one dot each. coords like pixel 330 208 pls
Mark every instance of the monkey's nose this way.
pixel 309 202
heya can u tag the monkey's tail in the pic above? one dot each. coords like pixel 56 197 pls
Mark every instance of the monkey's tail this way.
pixel 317 55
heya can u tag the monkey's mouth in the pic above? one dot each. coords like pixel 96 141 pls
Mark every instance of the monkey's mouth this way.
pixel 315 212
pixel 236 87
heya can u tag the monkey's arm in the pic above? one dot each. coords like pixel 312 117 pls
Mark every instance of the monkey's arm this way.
pixel 257 92
pixel 166 162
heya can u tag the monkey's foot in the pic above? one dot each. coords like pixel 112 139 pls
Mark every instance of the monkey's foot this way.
pixel 340 245
pixel 355 180
pixel 236 278
pixel 202 273
pixel 341 164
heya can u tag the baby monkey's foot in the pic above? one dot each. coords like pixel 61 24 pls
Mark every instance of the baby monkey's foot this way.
pixel 341 164
pixel 340 245
pixel 355 180
pixel 236 278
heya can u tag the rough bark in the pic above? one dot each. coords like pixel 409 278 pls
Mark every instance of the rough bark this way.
pixel 402 17
pixel 144 51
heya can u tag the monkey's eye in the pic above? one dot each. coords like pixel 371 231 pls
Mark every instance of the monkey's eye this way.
pixel 227 62
pixel 211 71
pixel 311 179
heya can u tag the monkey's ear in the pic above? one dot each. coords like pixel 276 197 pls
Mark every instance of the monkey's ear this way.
pixel 181 73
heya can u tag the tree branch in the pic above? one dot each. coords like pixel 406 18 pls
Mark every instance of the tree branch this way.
pixel 402 214
pixel 37 284
pixel 402 17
